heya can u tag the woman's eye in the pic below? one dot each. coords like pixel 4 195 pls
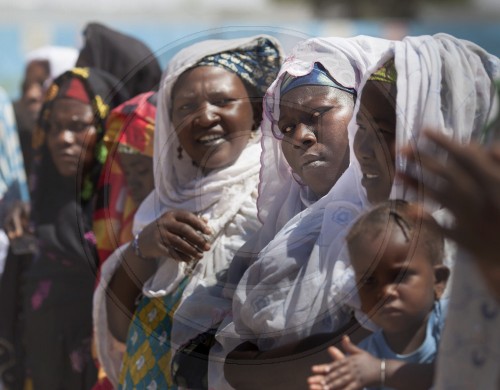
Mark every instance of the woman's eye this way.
pixel 287 129
pixel 368 281
pixel 223 101
pixel 187 107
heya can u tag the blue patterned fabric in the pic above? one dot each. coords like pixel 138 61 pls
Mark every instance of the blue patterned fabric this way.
pixel 146 364
pixel 12 175
pixel 257 66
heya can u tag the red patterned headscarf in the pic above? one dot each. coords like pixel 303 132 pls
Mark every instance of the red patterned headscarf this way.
pixel 129 129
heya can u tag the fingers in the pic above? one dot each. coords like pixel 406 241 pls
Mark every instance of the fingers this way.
pixel 180 235
pixel 349 347
pixel 336 353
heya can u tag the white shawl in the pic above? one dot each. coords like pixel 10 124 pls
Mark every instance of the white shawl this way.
pixel 280 296
pixel 290 293
pixel 445 84
pixel 225 197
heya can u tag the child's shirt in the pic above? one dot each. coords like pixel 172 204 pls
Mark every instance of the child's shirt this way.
pixel 426 353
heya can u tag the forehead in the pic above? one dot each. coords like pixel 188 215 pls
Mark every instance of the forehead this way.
pixel 65 107
pixel 378 98
pixel 201 77
pixel 308 95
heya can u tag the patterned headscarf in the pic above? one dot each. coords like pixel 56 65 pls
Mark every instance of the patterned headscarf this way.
pixel 256 66
pixel 387 73
pixel 130 129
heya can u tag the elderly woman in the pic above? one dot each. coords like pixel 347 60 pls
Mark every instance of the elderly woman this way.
pixel 207 151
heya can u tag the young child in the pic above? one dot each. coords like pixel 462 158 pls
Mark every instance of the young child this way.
pixel 400 277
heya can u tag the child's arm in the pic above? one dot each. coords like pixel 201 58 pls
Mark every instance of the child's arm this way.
pixel 360 369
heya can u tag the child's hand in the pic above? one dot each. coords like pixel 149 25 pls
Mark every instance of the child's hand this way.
pixel 175 234
pixel 355 371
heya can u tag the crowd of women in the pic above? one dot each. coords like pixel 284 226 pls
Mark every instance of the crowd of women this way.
pixel 325 218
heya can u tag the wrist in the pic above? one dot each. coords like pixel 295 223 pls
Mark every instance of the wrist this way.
pixel 137 249
pixel 383 372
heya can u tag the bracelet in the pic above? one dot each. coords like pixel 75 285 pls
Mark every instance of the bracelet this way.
pixel 137 250
pixel 382 373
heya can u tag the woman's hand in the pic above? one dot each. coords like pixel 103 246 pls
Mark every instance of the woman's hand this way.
pixel 355 371
pixel 16 223
pixel 177 234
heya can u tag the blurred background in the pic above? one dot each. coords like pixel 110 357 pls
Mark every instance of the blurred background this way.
pixel 167 25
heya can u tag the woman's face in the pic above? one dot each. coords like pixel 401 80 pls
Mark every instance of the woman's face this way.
pixel 33 90
pixel 212 115
pixel 71 136
pixel 138 171
pixel 313 121
pixel 374 142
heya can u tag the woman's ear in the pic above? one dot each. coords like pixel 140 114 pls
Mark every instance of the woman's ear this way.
pixel 441 276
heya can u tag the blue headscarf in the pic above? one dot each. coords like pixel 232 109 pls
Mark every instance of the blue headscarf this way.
pixel 317 76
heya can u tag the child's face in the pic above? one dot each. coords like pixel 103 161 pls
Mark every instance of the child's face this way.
pixel 138 171
pixel 374 142
pixel 397 285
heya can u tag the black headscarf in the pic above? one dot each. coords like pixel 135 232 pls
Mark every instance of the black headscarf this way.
pixel 125 57
pixel 61 206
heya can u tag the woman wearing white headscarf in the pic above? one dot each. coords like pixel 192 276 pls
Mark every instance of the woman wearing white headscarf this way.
pixel 281 300
pixel 270 306
pixel 43 65
pixel 292 207
pixel 220 201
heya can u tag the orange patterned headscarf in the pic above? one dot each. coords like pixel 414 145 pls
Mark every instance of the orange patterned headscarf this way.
pixel 129 129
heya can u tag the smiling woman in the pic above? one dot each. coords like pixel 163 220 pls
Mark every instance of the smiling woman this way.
pixel 212 115
pixel 206 171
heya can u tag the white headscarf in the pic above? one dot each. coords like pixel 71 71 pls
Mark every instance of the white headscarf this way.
pixel 225 197
pixel 290 293
pixel 278 298
pixel 445 84
pixel 60 59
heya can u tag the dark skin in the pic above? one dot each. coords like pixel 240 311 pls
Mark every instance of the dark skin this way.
pixel 70 138
pixel 248 368
pixel 138 172
pixel 398 292
pixel 313 121
pixel 32 89
pixel 213 118
pixel 470 177
pixel 374 142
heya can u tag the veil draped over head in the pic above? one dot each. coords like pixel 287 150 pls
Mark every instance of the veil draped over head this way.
pixel 301 279
pixel 278 299
pixel 226 197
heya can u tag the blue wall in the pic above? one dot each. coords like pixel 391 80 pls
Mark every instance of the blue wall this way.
pixel 166 38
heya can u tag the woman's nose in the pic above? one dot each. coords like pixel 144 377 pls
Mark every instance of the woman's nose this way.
pixel 66 136
pixel 303 136
pixel 207 115
pixel 363 144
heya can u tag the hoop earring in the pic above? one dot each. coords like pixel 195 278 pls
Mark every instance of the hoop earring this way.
pixel 179 152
